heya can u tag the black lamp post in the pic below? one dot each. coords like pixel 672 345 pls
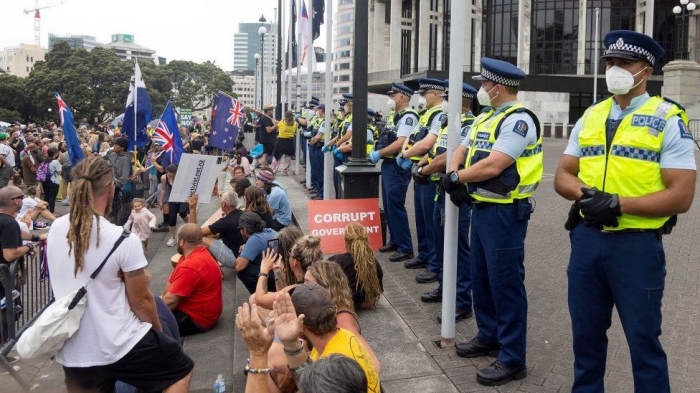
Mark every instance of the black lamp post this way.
pixel 262 30
pixel 359 178
pixel 278 110
pixel 683 13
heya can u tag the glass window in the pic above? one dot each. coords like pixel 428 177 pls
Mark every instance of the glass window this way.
pixel 614 15
pixel 500 30
pixel 554 37
pixel 666 31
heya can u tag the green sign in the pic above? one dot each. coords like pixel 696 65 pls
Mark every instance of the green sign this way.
pixel 186 117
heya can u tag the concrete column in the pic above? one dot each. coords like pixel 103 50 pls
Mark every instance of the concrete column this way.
pixel 468 39
pixel 371 28
pixel 524 26
pixel 478 17
pixel 424 35
pixel 440 38
pixel 692 37
pixel 645 17
pixel 581 53
pixel 378 38
pixel 395 36
pixel 682 82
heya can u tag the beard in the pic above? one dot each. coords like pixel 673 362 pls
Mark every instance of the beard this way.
pixel 180 250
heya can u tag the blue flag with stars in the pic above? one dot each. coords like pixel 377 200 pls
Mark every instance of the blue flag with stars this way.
pixel 227 121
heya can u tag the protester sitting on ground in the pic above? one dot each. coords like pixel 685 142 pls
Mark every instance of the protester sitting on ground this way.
pixel 223 237
pixel 310 313
pixel 277 198
pixel 35 207
pixel 361 267
pixel 239 161
pixel 258 239
pixel 193 291
pixel 306 251
pixel 120 333
pixel 334 373
pixel 330 276
pixel 141 221
pixel 171 209
pixel 240 186
pixel 257 203
pixel 287 239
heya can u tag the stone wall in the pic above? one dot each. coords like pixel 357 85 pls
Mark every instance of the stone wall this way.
pixel 550 107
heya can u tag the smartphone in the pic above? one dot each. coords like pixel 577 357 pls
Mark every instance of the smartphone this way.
pixel 273 244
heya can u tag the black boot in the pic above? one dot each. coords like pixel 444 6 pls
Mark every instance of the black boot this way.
pixel 460 315
pixel 498 374
pixel 475 349
pixel 434 296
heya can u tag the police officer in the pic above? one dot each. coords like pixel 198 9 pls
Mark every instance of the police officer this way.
pixel 416 145
pixel 342 136
pixel 315 155
pixel 432 168
pixel 346 147
pixel 630 168
pixel 400 124
pixel 503 166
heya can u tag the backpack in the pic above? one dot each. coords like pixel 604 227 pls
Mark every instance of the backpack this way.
pixel 42 172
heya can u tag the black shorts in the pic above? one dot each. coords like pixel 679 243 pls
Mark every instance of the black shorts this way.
pixel 155 363
pixel 269 146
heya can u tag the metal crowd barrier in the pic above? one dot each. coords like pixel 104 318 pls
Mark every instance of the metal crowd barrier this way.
pixel 31 280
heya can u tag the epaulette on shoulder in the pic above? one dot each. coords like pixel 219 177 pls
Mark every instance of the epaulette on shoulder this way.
pixel 674 103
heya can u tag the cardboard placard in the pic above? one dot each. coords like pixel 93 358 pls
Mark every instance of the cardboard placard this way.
pixel 196 174
pixel 328 219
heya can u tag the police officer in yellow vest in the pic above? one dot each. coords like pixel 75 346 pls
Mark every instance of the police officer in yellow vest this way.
pixel 630 168
pixel 346 148
pixel 503 166
pixel 400 123
pixel 418 144
pixel 432 168
pixel 340 136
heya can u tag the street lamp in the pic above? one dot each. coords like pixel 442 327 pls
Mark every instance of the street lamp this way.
pixel 683 13
pixel 257 61
pixel 262 30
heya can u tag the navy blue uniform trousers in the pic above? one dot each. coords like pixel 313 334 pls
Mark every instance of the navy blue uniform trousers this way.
pixel 625 270
pixel 395 181
pixel 464 281
pixel 424 207
pixel 498 275
pixel 316 163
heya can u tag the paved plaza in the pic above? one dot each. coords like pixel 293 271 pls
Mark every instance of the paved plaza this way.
pixel 403 331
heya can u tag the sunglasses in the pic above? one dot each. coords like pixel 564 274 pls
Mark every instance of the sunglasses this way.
pixel 17 197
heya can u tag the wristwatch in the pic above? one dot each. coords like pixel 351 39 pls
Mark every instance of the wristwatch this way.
pixel 261 274
pixel 454 177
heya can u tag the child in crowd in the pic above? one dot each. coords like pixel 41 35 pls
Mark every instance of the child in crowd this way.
pixel 141 221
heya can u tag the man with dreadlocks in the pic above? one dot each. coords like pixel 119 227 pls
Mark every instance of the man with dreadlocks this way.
pixel 120 336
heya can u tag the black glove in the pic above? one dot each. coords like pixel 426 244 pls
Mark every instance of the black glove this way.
pixel 600 208
pixel 418 177
pixel 460 195
pixel 574 217
pixel 449 185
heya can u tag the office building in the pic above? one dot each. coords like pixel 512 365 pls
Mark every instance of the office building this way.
pixel 552 41
pixel 125 47
pixel 246 43
pixel 343 41
pixel 86 42
pixel 20 60
pixel 244 86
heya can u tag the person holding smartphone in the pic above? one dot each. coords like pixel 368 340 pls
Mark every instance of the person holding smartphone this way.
pixel 257 236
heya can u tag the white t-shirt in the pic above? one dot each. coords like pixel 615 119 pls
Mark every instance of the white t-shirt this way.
pixel 109 328
pixel 28 203
pixel 7 151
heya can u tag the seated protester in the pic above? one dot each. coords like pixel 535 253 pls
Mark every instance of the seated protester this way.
pixel 239 160
pixel 320 327
pixel 305 252
pixel 35 207
pixel 193 291
pixel 333 374
pixel 237 172
pixel 330 276
pixel 257 240
pixel 287 239
pixel 240 186
pixel 228 241
pixel 277 198
pixel 361 267
pixel 256 202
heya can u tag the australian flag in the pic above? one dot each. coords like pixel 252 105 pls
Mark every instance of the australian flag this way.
pixel 227 121
pixel 138 106
pixel 72 143
pixel 167 135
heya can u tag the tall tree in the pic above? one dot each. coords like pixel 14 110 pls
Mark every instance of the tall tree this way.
pixel 194 84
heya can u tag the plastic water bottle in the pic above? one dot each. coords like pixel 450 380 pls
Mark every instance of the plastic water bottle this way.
pixel 3 302
pixel 220 384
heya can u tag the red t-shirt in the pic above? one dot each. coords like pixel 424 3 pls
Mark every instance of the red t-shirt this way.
pixel 197 280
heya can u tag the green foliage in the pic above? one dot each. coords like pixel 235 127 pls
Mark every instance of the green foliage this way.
pixel 95 85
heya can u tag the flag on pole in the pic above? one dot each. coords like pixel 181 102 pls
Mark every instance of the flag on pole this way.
pixel 138 111
pixel 72 143
pixel 293 34
pixel 167 135
pixel 307 48
pixel 317 19
pixel 226 123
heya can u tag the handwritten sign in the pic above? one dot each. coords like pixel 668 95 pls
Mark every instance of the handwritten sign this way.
pixel 328 219
pixel 196 174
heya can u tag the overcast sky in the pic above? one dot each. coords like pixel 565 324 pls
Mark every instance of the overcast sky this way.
pixel 196 30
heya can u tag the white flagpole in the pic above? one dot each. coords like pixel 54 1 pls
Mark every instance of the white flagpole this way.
pixel 136 98
pixel 310 54
pixel 298 93
pixel 327 158
pixel 280 42
pixel 289 59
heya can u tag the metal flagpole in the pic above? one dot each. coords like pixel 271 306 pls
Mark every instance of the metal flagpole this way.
pixel 449 269
pixel 596 55
pixel 309 74
pixel 281 93
pixel 289 58
pixel 328 158
pixel 297 156
pixel 136 105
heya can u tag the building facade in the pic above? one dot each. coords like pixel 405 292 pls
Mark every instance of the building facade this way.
pixel 553 41
pixel 20 60
pixel 126 48
pixel 343 41
pixel 86 42
pixel 244 86
pixel 246 43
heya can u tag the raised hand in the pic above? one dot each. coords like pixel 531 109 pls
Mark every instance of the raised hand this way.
pixel 257 337
pixel 287 324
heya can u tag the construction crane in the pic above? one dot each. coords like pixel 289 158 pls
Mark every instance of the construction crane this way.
pixel 37 19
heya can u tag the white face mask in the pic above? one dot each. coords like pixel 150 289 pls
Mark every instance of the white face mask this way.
pixel 483 96
pixel 391 104
pixel 422 101
pixel 444 104
pixel 620 81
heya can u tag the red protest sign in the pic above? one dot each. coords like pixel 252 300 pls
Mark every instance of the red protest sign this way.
pixel 327 220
